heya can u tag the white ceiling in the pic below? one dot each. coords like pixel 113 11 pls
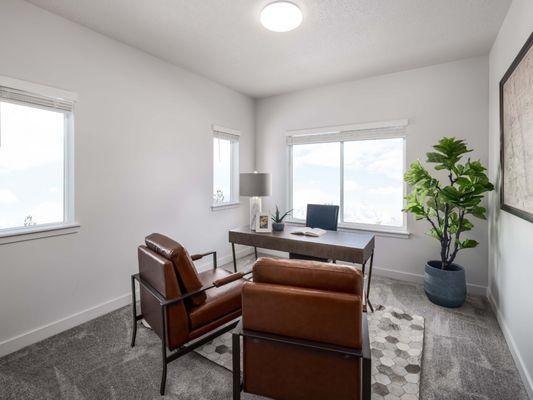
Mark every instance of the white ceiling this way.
pixel 338 39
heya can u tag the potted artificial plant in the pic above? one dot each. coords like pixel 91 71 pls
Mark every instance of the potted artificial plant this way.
pixel 277 220
pixel 446 204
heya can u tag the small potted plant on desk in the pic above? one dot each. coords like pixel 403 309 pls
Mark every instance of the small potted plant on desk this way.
pixel 446 207
pixel 277 220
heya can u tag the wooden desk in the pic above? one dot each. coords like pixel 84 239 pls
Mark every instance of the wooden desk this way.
pixel 335 245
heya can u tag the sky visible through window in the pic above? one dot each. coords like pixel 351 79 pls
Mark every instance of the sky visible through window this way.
pixel 373 179
pixel 316 176
pixel 221 171
pixel 31 166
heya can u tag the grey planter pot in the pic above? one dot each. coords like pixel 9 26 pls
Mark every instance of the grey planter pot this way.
pixel 278 226
pixel 445 288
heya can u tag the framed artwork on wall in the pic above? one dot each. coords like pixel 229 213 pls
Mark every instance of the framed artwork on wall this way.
pixel 516 135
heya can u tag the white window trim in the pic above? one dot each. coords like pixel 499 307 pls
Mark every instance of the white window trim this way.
pixel 234 136
pixel 24 234
pixel 69 224
pixel 341 134
pixel 35 88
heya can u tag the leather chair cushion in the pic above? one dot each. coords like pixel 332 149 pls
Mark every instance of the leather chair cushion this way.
pixel 220 300
pixel 309 274
pixel 183 264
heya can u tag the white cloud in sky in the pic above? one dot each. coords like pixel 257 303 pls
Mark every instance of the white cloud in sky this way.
pixel 30 137
pixel 376 156
pixel 7 197
pixel 47 212
pixel 387 190
pixel 320 154
pixel 351 186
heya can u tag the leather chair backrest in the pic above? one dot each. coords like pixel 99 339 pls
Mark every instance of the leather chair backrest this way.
pixel 309 274
pixel 322 216
pixel 159 272
pixel 183 264
pixel 302 300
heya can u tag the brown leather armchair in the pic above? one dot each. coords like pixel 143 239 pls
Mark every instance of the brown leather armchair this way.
pixel 305 336
pixel 180 304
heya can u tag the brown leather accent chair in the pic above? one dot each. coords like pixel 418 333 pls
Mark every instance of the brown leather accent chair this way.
pixel 180 304
pixel 305 336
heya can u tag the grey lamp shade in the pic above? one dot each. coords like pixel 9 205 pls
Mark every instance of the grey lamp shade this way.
pixel 254 184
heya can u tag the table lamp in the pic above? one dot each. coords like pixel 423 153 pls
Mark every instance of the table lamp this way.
pixel 254 185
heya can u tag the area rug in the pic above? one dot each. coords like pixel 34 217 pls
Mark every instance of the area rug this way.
pixel 396 340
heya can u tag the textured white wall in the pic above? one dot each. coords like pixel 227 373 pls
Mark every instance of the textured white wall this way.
pixel 143 164
pixel 511 238
pixel 443 100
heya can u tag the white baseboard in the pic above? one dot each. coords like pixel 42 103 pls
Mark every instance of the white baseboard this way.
pixel 524 373
pixel 36 335
pixel 206 264
pixel 419 278
pixel 395 274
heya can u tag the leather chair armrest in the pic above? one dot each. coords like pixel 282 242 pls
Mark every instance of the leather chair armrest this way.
pixel 195 257
pixel 230 278
pixel 199 256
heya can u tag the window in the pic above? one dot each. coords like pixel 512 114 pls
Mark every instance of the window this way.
pixel 35 161
pixel 225 166
pixel 315 176
pixel 358 168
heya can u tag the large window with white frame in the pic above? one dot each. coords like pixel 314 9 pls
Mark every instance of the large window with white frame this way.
pixel 36 182
pixel 359 168
pixel 225 166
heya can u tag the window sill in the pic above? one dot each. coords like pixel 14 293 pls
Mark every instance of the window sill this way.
pixel 400 233
pixel 38 232
pixel 225 206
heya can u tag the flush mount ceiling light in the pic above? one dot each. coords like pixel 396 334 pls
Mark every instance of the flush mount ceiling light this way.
pixel 281 16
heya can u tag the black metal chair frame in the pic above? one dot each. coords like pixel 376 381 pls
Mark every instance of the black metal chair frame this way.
pixel 164 303
pixel 363 353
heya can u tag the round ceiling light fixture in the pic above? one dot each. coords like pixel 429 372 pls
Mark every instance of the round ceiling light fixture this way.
pixel 281 16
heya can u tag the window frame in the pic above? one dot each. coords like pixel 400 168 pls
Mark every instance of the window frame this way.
pixel 374 131
pixel 234 137
pixel 69 224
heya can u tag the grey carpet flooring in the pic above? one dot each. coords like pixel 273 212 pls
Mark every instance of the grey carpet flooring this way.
pixel 465 358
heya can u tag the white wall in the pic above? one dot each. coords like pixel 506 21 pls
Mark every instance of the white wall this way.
pixel 143 164
pixel 511 238
pixel 443 100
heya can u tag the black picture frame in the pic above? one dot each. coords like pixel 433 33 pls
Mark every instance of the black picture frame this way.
pixel 516 62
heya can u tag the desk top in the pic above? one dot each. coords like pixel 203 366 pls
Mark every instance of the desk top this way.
pixel 339 245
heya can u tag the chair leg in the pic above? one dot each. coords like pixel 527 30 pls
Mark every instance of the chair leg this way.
pixel 164 352
pixel 367 379
pixel 236 350
pixel 134 310
pixel 163 379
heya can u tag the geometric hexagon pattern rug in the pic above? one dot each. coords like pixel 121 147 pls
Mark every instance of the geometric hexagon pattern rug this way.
pixel 396 342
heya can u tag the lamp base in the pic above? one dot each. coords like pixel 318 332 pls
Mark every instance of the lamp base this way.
pixel 255 208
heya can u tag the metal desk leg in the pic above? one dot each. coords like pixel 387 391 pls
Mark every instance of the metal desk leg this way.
pixel 369 279
pixel 234 258
pixel 255 251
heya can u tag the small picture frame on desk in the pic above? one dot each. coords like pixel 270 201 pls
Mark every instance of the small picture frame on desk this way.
pixel 263 223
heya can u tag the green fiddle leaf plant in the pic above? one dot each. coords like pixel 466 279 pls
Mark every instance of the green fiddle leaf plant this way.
pixel 447 204
pixel 277 217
